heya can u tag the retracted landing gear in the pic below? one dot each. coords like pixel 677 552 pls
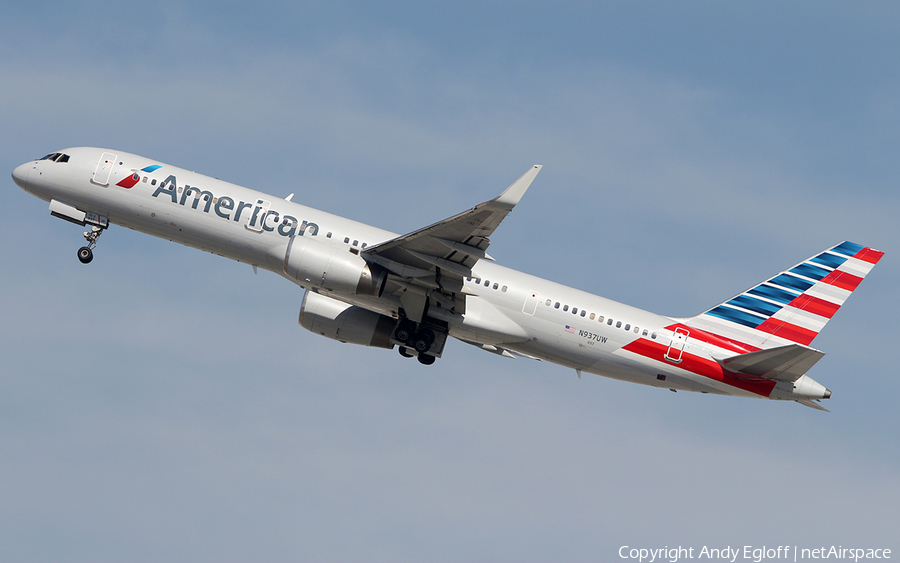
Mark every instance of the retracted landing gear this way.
pixel 85 253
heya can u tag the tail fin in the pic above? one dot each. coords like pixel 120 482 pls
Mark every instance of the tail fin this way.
pixel 792 307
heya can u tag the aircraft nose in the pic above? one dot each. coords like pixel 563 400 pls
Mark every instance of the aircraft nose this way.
pixel 20 175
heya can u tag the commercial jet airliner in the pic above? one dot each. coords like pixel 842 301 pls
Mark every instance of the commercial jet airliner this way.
pixel 364 285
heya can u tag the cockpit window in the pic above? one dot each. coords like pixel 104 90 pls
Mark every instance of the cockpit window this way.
pixel 57 157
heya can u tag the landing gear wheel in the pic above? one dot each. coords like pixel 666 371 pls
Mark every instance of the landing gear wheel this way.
pixel 423 340
pixel 405 332
pixel 404 351
pixel 426 360
pixel 85 255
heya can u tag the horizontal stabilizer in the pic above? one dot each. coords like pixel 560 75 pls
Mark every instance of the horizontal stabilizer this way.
pixel 812 404
pixel 785 363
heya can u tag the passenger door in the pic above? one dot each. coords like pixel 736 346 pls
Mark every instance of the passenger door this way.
pixel 103 169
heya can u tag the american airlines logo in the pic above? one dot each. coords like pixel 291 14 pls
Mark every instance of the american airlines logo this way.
pixel 259 218
pixel 130 181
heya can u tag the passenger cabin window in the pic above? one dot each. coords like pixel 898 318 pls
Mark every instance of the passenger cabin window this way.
pixel 592 316
pixel 600 319
pixel 556 306
pixel 583 312
pixel 618 324
pixel 565 307
pixel 574 310
pixel 346 240
pixel 503 289
pixel 609 322
pixel 328 235
pixel 496 285
pixel 549 302
pixel 627 327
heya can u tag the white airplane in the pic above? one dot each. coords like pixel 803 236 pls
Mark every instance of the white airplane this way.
pixel 372 287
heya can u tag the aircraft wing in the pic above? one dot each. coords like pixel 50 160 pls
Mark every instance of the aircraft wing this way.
pixel 435 259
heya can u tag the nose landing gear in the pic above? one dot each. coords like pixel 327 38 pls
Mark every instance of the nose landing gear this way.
pixel 85 253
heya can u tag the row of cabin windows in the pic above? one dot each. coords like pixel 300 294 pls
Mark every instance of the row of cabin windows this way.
pixel 576 311
pixel 347 241
pixel 600 318
pixel 487 283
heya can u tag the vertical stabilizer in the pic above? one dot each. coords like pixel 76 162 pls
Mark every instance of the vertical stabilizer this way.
pixel 792 307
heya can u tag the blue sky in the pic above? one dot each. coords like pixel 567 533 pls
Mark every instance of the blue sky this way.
pixel 163 404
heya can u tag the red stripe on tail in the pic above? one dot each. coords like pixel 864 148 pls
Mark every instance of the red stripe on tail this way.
pixel 788 331
pixel 842 280
pixel 815 306
pixel 869 255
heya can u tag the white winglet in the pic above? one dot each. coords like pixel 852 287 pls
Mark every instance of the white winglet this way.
pixel 513 194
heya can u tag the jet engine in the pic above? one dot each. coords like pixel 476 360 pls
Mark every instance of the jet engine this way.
pixel 332 267
pixel 347 323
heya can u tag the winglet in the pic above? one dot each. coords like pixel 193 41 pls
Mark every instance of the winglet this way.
pixel 511 196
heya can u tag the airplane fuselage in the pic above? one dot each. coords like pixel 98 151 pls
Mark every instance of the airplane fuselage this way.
pixel 506 312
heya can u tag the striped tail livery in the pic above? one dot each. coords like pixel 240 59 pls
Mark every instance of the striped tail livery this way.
pixel 772 324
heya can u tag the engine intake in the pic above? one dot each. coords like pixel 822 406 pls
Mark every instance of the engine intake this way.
pixel 346 323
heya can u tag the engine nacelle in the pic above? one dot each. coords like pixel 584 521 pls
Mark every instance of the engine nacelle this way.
pixel 347 323
pixel 333 267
